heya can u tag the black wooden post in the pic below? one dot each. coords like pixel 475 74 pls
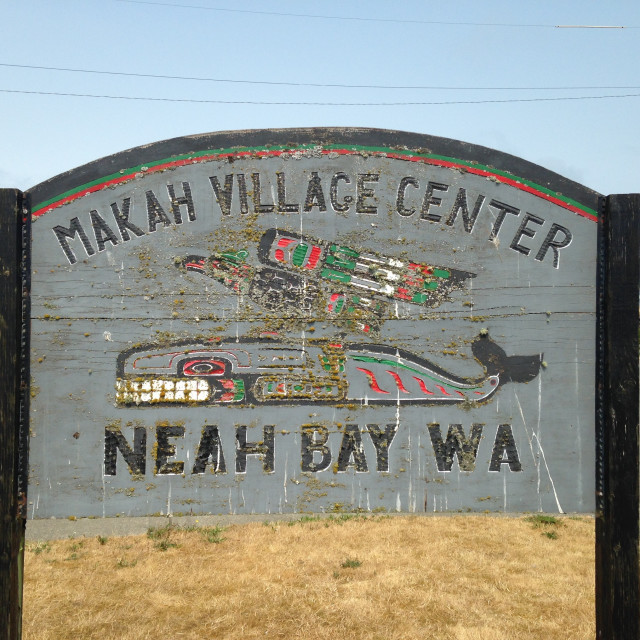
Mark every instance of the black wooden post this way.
pixel 14 398
pixel 617 393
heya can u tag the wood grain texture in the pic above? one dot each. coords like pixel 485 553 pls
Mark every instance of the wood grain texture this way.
pixel 617 473
pixel 13 387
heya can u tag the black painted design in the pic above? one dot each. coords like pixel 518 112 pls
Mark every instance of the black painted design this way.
pixel 155 212
pixel 457 444
pixel 431 200
pixel 503 210
pixel 505 450
pixel 557 238
pixel 183 201
pixel 224 194
pixel 270 372
pixel 264 449
pixel 242 193
pixel 382 440
pixel 336 205
pixel 315 194
pixel 283 207
pixel 461 206
pixel 524 230
pixel 102 231
pixel 258 206
pixel 366 194
pixel 314 439
pixel 209 452
pixel 351 450
pixel 402 189
pixel 121 217
pixel 135 458
pixel 509 368
pixel 63 234
pixel 166 449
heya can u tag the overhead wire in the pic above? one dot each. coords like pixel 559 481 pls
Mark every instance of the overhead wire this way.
pixel 318 103
pixel 314 84
pixel 369 19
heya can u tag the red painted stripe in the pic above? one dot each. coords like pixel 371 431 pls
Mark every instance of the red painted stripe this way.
pixel 443 390
pixel 504 179
pixel 423 386
pixel 399 384
pixel 275 153
pixel 313 257
pixel 402 294
pixel 373 383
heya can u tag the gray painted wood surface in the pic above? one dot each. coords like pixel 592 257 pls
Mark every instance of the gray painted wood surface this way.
pixel 104 309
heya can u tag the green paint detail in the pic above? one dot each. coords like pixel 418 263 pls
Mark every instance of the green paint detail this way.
pixel 442 273
pixel 330 274
pixel 237 257
pixel 386 151
pixel 346 250
pixel 238 388
pixel 419 298
pixel 339 262
pixel 430 286
pixel 399 365
pixel 300 254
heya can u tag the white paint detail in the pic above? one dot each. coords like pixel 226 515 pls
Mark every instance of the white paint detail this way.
pixel 534 436
pixel 578 426
pixel 504 491
pixel 286 464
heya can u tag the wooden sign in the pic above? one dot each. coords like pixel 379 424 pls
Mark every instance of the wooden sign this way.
pixel 312 320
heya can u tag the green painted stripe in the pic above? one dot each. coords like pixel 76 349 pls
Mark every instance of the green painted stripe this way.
pixel 330 274
pixel 399 153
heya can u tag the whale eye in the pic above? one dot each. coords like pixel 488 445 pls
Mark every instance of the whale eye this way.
pixel 203 368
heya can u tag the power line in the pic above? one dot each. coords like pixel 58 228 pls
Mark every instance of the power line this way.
pixel 361 19
pixel 313 84
pixel 316 104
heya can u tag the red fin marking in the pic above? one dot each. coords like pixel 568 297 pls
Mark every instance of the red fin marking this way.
pixel 373 383
pixel 423 386
pixel 396 377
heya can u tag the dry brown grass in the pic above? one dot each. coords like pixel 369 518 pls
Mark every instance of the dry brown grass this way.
pixel 419 577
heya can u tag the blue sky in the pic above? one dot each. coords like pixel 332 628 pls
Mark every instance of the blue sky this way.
pixel 461 51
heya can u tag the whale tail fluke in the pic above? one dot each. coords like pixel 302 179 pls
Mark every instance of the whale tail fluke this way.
pixel 509 368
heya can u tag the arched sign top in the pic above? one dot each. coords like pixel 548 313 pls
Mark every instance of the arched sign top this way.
pixel 494 165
